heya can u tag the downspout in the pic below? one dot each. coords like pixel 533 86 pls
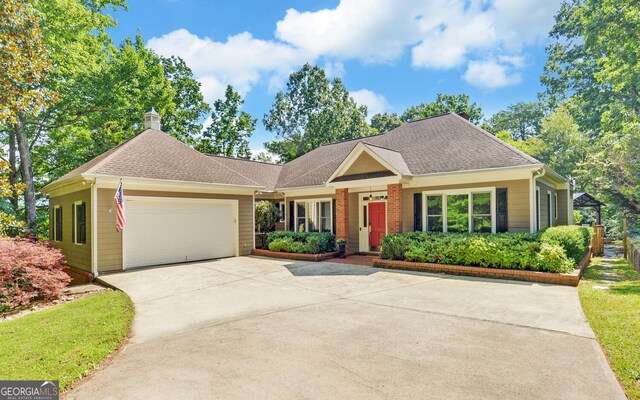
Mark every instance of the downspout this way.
pixel 94 229
pixel 533 211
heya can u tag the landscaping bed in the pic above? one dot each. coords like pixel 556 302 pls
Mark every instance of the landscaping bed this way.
pixel 294 256
pixel 66 341
pixel 550 256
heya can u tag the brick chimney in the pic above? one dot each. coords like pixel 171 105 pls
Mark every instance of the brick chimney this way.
pixel 152 120
pixel 464 115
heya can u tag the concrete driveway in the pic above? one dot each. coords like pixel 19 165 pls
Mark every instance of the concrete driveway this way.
pixel 255 328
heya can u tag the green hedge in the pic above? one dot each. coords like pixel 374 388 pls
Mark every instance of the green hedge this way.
pixel 502 250
pixel 301 242
pixel 575 240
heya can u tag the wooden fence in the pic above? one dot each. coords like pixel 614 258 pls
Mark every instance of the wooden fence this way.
pixel 598 239
pixel 631 247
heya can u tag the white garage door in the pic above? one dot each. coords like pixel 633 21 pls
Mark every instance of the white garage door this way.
pixel 164 231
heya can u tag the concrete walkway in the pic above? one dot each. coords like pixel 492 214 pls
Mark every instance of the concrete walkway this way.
pixel 245 328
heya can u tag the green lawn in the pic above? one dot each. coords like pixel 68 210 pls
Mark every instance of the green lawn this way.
pixel 610 295
pixel 66 341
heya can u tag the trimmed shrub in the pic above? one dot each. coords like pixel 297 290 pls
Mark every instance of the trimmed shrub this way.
pixel 301 242
pixel 575 240
pixel 29 271
pixel 502 250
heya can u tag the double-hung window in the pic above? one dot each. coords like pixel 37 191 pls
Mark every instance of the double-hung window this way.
pixel 458 211
pixel 282 208
pixel 314 215
pixel 56 234
pixel 79 222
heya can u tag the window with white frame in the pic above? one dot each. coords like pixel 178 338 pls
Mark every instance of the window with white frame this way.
pixel 555 204
pixel 549 211
pixel 460 211
pixel 314 215
pixel 282 209
pixel 56 234
pixel 79 222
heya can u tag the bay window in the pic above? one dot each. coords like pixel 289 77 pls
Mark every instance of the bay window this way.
pixel 458 211
pixel 314 215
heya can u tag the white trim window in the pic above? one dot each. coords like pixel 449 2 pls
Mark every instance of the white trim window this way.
pixel 79 222
pixel 56 233
pixel 555 204
pixel 537 209
pixel 457 211
pixel 314 215
pixel 549 210
pixel 282 207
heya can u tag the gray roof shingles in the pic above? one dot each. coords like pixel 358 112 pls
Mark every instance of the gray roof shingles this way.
pixel 445 143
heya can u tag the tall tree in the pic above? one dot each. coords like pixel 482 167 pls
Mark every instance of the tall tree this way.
pixel 313 111
pixel 385 122
pixel 521 120
pixel 230 129
pixel 444 103
pixel 595 63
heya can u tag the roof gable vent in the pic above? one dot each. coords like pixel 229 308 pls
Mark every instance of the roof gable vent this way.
pixel 152 120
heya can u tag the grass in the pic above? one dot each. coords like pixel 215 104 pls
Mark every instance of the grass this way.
pixel 610 296
pixel 64 342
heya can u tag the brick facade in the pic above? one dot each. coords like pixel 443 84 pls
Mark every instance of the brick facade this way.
pixel 394 208
pixel 342 214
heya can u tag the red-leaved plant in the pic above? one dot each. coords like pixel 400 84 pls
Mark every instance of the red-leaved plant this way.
pixel 29 271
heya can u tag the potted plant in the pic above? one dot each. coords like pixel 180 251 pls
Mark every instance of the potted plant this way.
pixel 342 246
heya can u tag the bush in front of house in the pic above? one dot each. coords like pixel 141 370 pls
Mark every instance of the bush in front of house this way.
pixel 503 250
pixel 29 271
pixel 575 240
pixel 301 242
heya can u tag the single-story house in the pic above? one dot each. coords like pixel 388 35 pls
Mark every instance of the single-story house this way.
pixel 436 174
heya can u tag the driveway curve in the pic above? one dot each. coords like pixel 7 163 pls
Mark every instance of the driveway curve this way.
pixel 252 327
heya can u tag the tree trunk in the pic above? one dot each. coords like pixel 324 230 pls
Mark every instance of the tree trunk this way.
pixel 27 176
pixel 13 175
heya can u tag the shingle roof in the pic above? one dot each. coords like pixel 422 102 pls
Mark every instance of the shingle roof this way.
pixel 444 143
pixel 153 154
pixel 265 174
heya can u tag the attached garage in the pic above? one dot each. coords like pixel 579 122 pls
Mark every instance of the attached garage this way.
pixel 173 230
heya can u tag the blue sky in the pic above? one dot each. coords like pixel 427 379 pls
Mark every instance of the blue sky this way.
pixel 391 54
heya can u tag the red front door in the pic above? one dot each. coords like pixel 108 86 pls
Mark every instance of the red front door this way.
pixel 377 223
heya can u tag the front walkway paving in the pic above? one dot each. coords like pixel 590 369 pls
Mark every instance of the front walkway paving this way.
pixel 251 327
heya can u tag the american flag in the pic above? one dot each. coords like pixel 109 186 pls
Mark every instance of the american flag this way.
pixel 122 218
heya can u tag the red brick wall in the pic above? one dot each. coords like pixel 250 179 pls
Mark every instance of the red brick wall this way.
pixel 394 211
pixel 342 214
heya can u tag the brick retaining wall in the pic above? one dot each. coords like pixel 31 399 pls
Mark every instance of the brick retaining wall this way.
pixel 78 277
pixel 511 274
pixel 294 256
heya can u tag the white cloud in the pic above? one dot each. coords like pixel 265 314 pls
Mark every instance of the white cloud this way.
pixel 241 61
pixel 375 102
pixel 438 34
pixel 490 74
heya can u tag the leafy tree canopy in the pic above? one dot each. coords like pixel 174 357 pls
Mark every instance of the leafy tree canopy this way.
pixel 385 122
pixel 313 111
pixel 456 103
pixel 521 120
pixel 230 129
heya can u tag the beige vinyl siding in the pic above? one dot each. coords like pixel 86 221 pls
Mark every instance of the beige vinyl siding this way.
pixel 517 199
pixel 110 241
pixel 563 212
pixel 354 222
pixel 77 255
pixel 363 164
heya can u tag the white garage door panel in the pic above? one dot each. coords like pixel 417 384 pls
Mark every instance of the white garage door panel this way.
pixel 171 231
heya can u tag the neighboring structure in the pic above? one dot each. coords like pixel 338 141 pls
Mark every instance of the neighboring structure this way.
pixel 585 200
pixel 438 174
